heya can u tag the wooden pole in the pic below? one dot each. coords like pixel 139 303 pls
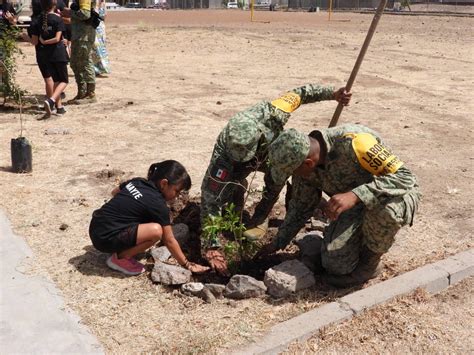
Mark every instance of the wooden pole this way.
pixel 358 62
pixel 330 10
pixel 251 10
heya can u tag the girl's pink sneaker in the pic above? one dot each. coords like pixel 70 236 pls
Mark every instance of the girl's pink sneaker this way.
pixel 127 266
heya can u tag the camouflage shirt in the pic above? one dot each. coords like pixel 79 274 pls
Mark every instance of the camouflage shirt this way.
pixel 81 28
pixel 271 116
pixel 357 161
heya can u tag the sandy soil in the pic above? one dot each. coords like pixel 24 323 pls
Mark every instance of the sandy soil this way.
pixel 178 76
pixel 416 324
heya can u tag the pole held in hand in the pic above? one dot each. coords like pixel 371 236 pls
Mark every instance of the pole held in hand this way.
pixel 360 58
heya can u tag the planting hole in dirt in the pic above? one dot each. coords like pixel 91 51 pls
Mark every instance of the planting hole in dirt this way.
pixel 187 210
pixel 106 174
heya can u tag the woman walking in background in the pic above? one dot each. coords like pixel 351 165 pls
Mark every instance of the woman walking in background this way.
pixel 100 56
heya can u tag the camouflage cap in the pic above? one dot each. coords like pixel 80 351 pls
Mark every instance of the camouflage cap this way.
pixel 242 135
pixel 287 153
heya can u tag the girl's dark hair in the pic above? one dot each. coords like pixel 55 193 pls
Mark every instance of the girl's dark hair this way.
pixel 170 170
pixel 36 8
pixel 46 5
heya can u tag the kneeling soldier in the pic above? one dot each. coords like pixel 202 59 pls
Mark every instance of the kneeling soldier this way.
pixel 372 195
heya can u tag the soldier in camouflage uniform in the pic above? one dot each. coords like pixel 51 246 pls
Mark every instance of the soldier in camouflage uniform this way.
pixel 241 148
pixel 372 195
pixel 82 42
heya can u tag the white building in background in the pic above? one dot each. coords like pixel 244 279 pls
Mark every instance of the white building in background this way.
pixel 111 6
pixel 24 5
pixel 23 8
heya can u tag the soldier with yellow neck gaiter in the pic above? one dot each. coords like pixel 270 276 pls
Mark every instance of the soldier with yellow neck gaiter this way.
pixel 82 42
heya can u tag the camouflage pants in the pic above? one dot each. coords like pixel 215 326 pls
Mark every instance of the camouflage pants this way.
pixel 375 228
pixel 225 182
pixel 81 62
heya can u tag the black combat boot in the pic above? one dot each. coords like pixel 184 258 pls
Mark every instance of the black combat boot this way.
pixel 367 268
pixel 311 253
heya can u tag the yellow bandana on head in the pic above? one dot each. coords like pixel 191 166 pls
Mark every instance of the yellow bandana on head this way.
pixel 85 5
pixel 373 156
pixel 288 102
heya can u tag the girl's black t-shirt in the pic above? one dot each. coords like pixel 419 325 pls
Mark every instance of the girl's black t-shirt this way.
pixel 50 52
pixel 137 202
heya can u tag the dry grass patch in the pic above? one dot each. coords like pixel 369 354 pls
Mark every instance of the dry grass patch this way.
pixel 419 323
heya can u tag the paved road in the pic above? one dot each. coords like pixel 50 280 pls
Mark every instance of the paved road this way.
pixel 33 318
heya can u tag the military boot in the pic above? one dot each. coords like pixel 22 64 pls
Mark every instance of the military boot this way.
pixel 257 232
pixel 368 268
pixel 89 97
pixel 81 93
pixel 259 220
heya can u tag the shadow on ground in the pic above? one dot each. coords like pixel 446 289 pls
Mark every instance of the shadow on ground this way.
pixel 31 104
pixel 93 262
pixel 6 169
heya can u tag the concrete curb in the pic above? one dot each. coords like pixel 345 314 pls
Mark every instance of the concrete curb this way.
pixel 432 277
pixel 33 317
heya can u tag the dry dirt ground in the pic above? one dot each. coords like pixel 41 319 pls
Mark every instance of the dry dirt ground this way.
pixel 178 76
pixel 414 324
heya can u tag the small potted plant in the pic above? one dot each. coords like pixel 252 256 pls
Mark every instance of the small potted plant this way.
pixel 20 147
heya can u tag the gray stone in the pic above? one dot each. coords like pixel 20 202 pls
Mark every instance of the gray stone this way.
pixel 181 233
pixel 57 130
pixel 244 286
pixel 207 295
pixel 192 288
pixel 167 274
pixel 160 253
pixel 288 277
pixel 216 289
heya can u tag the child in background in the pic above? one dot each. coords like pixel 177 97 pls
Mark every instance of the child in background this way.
pixel 137 217
pixel 62 4
pixel 46 34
